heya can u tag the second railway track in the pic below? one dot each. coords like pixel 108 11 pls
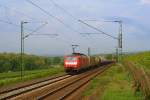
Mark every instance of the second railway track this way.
pixel 7 94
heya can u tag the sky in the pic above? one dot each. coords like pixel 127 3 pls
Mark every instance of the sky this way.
pixel 62 18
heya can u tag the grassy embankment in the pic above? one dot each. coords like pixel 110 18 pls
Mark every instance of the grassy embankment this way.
pixel 14 77
pixel 141 60
pixel 139 66
pixel 114 84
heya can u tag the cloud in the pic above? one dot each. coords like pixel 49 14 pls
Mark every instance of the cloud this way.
pixel 145 1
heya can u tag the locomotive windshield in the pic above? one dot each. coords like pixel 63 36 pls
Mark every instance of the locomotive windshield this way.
pixel 71 59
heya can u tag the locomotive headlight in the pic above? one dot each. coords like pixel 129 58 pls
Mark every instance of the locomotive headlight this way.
pixel 75 63
pixel 71 63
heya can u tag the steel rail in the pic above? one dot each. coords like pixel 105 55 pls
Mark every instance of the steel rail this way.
pixel 53 92
pixel 9 93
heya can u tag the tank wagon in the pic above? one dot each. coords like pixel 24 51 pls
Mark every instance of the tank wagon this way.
pixel 78 61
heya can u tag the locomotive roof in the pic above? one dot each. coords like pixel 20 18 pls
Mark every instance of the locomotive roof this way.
pixel 78 54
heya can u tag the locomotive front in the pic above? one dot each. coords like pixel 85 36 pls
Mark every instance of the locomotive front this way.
pixel 71 63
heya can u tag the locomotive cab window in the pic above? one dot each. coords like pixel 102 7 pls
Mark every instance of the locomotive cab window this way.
pixel 71 59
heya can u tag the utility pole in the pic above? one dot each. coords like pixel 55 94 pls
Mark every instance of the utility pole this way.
pixel 22 47
pixel 119 48
pixel 119 38
pixel 23 37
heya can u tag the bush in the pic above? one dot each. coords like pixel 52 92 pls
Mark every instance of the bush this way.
pixel 12 62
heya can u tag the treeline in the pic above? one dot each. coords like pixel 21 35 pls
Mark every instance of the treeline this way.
pixel 110 56
pixel 12 62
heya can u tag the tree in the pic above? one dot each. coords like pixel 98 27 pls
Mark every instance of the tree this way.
pixel 56 60
pixel 109 56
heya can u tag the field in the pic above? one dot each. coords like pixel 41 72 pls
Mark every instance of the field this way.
pixel 114 84
pixel 117 83
pixel 139 66
pixel 14 77
pixel 141 60
pixel 33 66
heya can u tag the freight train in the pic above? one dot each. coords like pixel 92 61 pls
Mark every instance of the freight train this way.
pixel 78 61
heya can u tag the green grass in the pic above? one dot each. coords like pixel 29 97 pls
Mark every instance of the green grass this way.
pixel 14 77
pixel 140 59
pixel 113 94
pixel 114 84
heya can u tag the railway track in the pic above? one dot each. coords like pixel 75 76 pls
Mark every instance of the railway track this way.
pixel 53 89
pixel 6 94
pixel 68 89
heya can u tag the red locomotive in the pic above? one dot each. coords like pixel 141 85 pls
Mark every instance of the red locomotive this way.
pixel 78 61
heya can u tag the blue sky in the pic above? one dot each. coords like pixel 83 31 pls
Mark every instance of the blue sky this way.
pixel 134 14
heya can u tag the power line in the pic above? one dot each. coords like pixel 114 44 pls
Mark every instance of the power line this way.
pixel 61 8
pixel 97 29
pixel 89 33
pixel 38 28
pixel 32 31
pixel 6 11
pixel 13 24
pixel 54 17
pixel 7 22
pixel 45 34
pixel 49 14
pixel 65 11
pixel 18 12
